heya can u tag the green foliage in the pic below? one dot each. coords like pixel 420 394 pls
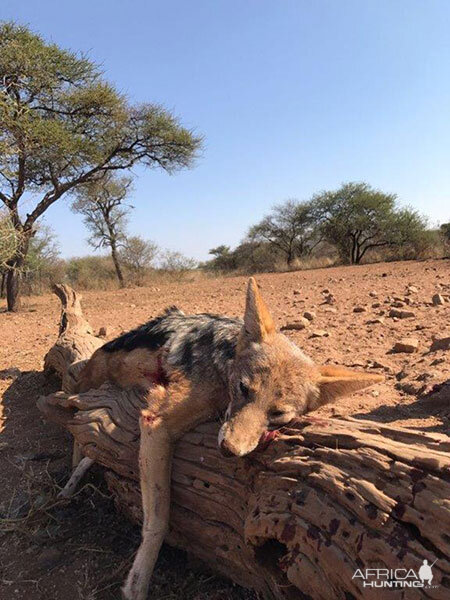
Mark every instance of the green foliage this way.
pixel 43 266
pixel 248 257
pixel 224 259
pixel 66 123
pixel 258 257
pixel 8 240
pixel 63 125
pixel 356 218
pixel 43 250
pixel 445 231
pixel 290 228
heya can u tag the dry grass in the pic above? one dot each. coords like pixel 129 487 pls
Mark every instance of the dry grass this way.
pixel 87 529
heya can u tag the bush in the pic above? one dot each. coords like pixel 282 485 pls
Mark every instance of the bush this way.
pixel 249 257
pixel 137 256
pixel 91 272
pixel 176 264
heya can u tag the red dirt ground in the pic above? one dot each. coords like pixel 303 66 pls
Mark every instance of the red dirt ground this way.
pixel 57 550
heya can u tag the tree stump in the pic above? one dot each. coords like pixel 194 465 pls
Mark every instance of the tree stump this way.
pixel 305 518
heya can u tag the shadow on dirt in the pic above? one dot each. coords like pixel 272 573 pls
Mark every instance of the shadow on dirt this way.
pixel 79 548
pixel 436 404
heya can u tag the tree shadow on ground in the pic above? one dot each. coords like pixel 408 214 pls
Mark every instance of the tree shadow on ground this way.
pixel 79 548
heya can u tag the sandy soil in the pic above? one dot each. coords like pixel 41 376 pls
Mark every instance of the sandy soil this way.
pixel 57 550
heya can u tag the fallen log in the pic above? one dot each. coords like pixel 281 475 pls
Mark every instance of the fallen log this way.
pixel 306 517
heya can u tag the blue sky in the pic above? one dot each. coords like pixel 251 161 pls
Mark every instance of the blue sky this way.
pixel 291 96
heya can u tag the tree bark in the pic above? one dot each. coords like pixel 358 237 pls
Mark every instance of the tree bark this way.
pixel 327 499
pixel 13 300
pixel 13 275
pixel 117 264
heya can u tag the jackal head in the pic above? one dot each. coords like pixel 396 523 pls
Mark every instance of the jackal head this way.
pixel 271 381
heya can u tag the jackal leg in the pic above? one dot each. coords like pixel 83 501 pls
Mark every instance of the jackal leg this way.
pixel 155 455
pixel 172 411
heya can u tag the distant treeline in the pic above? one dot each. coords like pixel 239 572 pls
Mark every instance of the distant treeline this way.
pixel 142 262
pixel 353 224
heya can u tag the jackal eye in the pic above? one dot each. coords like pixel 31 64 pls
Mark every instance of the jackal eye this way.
pixel 245 390
pixel 276 413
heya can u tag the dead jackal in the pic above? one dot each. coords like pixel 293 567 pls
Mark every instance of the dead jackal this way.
pixel 195 367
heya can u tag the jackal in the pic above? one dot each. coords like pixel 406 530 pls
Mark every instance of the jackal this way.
pixel 195 367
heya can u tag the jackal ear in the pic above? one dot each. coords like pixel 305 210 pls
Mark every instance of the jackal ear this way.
pixel 258 323
pixel 335 382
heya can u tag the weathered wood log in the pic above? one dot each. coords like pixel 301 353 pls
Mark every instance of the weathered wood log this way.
pixel 328 499
pixel 76 341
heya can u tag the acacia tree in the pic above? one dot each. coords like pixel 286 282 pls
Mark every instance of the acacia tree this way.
pixel 61 126
pixel 356 218
pixel 102 204
pixel 289 228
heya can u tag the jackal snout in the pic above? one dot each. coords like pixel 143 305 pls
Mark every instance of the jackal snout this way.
pixel 272 381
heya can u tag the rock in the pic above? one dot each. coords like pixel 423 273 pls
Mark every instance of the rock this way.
pixel 359 309
pixel 309 315
pixel 104 332
pixel 376 305
pixel 330 299
pixel 373 294
pixel 398 304
pixel 411 388
pixel 440 344
pixel 424 376
pixel 437 361
pixel 358 363
pixel 401 314
pixel 401 375
pixel 437 300
pixel 377 321
pixel 319 333
pixel 330 309
pixel 411 289
pixel 408 345
pixel 295 325
pixel 378 365
pixel 296 292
